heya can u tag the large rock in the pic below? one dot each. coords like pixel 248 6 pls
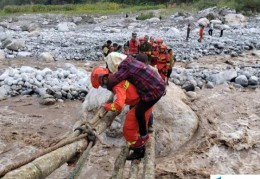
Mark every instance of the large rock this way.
pixel 235 19
pixel 209 12
pixel 3 93
pixel 77 20
pixel 222 77
pixel 175 122
pixel 66 26
pixel 2 55
pixel 46 57
pixel 31 27
pixel 88 19
pixel 173 32
pixel 253 80
pixel 153 20
pixel 97 29
pixel 242 80
pixel 257 46
pixel 16 45
pixel 225 11
pixel 24 54
pixel 6 41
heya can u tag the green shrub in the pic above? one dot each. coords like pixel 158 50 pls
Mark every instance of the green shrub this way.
pixel 144 16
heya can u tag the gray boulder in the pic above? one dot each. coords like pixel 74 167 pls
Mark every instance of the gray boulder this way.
pixel 97 29
pixel 24 54
pixel 33 27
pixel 88 19
pixel 233 54
pixel 47 101
pixel 3 93
pixel 2 55
pixel 153 20
pixel 172 111
pixel 253 80
pixel 235 19
pixel 16 45
pixel 66 26
pixel 6 41
pixel 258 46
pixel 209 85
pixel 188 86
pixel 222 77
pixel 242 80
pixel 46 57
pixel 76 20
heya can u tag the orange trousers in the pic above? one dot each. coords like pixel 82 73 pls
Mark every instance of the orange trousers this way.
pixel 131 127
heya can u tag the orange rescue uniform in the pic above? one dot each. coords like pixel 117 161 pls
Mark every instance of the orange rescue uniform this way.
pixel 163 64
pixel 126 93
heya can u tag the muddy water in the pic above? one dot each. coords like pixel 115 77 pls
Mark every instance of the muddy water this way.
pixel 227 141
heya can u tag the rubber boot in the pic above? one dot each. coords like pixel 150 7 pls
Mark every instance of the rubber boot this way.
pixel 137 154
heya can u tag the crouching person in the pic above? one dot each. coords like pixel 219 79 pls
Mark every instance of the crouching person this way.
pixel 126 94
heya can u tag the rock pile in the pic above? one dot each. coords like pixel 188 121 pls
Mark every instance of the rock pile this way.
pixel 196 78
pixel 68 83
pixel 81 37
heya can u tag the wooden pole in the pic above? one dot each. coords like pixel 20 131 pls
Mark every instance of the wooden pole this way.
pixel 45 165
pixel 149 159
pixel 76 172
pixel 134 169
pixel 30 159
pixel 120 163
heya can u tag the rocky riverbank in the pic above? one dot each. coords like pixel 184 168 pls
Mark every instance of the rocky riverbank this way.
pixel 81 37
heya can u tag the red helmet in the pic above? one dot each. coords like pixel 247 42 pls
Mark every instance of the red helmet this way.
pixel 163 47
pixel 159 40
pixel 154 46
pixel 141 39
pixel 96 75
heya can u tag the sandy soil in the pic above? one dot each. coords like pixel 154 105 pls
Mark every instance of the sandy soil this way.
pixel 27 126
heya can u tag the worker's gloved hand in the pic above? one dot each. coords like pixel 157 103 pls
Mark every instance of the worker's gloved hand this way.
pixel 102 114
pixel 112 81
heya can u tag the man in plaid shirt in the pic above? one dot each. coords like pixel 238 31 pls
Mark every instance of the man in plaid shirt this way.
pixel 150 87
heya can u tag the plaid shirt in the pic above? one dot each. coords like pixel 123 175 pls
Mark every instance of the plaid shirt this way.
pixel 148 82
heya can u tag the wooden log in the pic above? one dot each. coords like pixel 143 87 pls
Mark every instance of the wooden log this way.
pixel 149 159
pixel 105 122
pixel 99 114
pixel 120 163
pixel 48 150
pixel 45 165
pixel 76 172
pixel 133 174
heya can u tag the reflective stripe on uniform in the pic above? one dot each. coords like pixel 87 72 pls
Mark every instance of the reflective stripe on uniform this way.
pixel 131 143
pixel 126 85
pixel 113 107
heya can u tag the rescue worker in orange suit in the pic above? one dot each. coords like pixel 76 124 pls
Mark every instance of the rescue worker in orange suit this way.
pixel 201 33
pixel 155 51
pixel 154 55
pixel 172 62
pixel 133 45
pixel 163 62
pixel 146 47
pixel 125 93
